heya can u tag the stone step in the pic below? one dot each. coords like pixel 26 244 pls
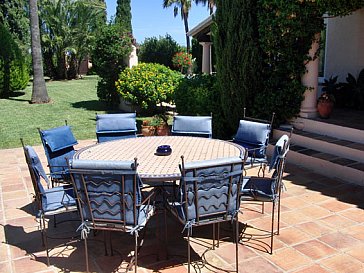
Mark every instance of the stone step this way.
pixel 331 130
pixel 326 144
pixel 327 155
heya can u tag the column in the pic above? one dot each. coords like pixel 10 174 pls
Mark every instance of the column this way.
pixel 133 57
pixel 206 57
pixel 310 80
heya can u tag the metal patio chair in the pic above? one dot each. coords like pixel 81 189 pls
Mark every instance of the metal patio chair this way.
pixel 51 200
pixel 199 126
pixel 109 198
pixel 58 144
pixel 208 194
pixel 253 134
pixel 268 189
pixel 115 126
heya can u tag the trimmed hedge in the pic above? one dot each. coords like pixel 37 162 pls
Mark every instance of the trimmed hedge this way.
pixel 14 70
pixel 147 85
pixel 109 58
pixel 198 95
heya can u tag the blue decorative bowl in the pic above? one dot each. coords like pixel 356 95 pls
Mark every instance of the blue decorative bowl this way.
pixel 164 150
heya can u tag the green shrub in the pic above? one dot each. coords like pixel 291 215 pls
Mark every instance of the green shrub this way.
pixel 14 69
pixel 194 95
pixel 353 89
pixel 160 51
pixel 147 85
pixel 198 96
pixel 113 46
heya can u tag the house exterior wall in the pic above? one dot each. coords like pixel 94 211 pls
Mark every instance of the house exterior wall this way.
pixel 345 45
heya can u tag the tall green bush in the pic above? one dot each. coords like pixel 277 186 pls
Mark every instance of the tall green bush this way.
pixel 160 51
pixel 238 58
pixel 14 69
pixel 198 95
pixel 148 85
pixel 123 15
pixel 109 58
pixel 194 95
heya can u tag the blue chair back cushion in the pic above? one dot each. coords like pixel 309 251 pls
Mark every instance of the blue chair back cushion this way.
pixel 278 151
pixel 253 135
pixel 115 126
pixel 113 116
pixel 215 194
pixel 37 167
pixel 192 125
pixel 103 196
pixel 58 146
pixel 58 138
pixel 54 198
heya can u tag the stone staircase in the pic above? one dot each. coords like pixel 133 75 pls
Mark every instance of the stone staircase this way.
pixel 331 150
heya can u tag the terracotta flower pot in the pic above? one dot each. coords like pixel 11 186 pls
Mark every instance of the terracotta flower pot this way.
pixel 325 108
pixel 163 130
pixel 148 130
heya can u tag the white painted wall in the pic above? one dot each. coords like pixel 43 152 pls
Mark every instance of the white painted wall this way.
pixel 345 45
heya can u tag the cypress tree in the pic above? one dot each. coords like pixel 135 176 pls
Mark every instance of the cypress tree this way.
pixel 123 15
pixel 238 58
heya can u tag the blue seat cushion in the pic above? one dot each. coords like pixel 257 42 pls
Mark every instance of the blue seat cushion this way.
pixel 59 138
pixel 56 198
pixel 106 136
pixel 259 189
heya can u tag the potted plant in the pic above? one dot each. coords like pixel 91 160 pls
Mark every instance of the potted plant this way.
pixel 159 121
pixel 326 101
pixel 147 128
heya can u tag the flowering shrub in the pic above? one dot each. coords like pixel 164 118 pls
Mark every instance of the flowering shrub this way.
pixel 148 84
pixel 182 60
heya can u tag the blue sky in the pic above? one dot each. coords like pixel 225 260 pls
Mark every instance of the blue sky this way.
pixel 150 19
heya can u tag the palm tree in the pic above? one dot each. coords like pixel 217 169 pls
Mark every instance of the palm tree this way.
pixel 39 93
pixel 68 32
pixel 210 4
pixel 184 6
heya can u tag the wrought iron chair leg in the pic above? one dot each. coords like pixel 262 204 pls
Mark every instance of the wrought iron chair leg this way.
pixel 44 235
pixel 237 244
pixel 86 255
pixel 136 252
pixel 110 243
pixel 188 252
pixel 218 234
pixel 213 236
pixel 165 224
pixel 105 245
pixel 272 230
pixel 41 226
pixel 279 212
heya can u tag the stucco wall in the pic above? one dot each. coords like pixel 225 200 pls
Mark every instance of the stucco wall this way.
pixel 345 45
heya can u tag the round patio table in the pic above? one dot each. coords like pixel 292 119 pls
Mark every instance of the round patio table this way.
pixel 156 167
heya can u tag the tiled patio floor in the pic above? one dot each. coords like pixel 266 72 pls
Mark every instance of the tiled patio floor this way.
pixel 322 230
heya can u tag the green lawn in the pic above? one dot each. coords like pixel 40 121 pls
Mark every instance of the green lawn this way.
pixel 75 101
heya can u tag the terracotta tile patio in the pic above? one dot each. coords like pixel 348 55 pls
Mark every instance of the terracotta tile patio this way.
pixel 322 230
